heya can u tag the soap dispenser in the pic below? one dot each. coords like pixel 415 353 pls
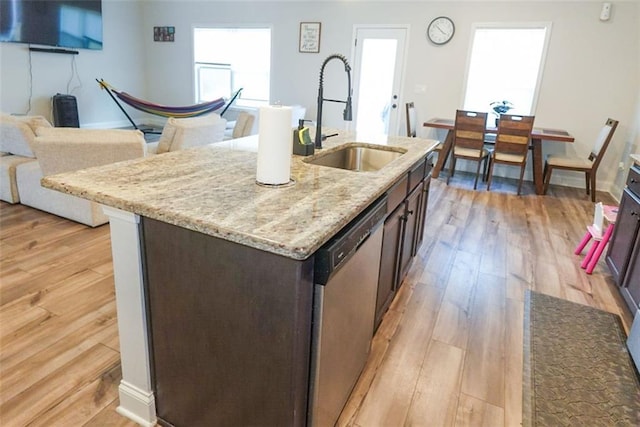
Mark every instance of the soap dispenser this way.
pixel 302 144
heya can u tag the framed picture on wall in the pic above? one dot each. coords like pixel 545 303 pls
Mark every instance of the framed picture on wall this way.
pixel 309 37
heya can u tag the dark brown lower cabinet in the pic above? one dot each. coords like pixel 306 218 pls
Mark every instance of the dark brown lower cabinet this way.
pixel 389 261
pixel 403 234
pixel 623 254
pixel 411 214
pixel 631 285
pixel 230 330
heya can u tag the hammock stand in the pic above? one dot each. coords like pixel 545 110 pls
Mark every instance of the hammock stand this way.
pixel 164 110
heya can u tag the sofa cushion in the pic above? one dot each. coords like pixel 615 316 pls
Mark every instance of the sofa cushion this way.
pixel 68 149
pixel 8 184
pixel 28 176
pixel 17 133
pixel 179 134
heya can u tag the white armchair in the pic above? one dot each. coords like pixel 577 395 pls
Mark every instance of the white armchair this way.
pixel 179 134
pixel 67 149
pixel 16 140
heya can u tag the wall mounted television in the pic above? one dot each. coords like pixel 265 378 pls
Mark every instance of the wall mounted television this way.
pixel 73 24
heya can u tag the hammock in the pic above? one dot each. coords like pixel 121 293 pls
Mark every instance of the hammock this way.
pixel 165 110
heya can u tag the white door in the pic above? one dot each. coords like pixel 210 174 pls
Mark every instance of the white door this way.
pixel 378 74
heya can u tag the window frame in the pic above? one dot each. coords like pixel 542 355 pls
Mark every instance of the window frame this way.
pixel 546 25
pixel 239 102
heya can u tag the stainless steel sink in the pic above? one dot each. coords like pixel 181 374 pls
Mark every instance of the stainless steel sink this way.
pixel 359 158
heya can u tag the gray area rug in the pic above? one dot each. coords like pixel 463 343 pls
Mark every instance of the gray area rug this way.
pixel 577 370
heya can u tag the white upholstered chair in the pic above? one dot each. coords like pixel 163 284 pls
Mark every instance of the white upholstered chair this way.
pixel 179 134
pixel 244 125
pixel 587 165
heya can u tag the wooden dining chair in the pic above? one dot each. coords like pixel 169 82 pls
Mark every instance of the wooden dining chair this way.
pixel 468 141
pixel 589 165
pixel 512 144
pixel 412 121
pixel 410 110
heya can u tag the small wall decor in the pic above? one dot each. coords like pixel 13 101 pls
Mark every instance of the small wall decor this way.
pixel 163 34
pixel 309 37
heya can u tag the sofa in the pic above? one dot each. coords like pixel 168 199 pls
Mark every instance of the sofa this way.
pixel 31 148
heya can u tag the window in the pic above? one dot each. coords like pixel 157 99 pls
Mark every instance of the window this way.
pixel 227 59
pixel 505 64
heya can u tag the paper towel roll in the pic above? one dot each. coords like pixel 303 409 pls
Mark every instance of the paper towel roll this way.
pixel 275 145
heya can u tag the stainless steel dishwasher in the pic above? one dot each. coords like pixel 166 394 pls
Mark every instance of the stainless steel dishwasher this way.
pixel 346 281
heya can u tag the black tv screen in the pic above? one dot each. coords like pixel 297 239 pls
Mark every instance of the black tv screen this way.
pixel 75 24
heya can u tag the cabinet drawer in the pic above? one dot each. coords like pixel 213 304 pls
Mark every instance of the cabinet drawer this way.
pixel 633 180
pixel 397 194
pixel 416 175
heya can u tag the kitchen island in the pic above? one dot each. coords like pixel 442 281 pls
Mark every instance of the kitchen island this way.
pixel 214 274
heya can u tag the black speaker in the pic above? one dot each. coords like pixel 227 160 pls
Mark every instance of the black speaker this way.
pixel 65 111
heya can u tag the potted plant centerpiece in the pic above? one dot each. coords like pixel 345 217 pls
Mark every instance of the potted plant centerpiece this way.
pixel 500 107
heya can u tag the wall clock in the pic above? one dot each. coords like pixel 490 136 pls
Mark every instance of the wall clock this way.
pixel 440 30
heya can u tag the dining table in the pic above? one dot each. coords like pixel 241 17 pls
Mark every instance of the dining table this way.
pixel 538 134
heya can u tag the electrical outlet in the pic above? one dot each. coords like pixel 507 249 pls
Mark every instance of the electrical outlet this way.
pixel 621 166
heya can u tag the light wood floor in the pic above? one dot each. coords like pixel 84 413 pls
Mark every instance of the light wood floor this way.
pixel 448 352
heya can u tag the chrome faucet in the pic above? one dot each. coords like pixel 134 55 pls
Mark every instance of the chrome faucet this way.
pixel 347 114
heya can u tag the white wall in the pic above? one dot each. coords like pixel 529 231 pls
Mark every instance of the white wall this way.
pixel 592 70
pixel 121 63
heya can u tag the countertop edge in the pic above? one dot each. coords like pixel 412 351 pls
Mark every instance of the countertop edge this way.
pixel 65 184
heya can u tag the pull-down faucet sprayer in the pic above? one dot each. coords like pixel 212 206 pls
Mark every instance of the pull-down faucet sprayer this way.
pixel 347 114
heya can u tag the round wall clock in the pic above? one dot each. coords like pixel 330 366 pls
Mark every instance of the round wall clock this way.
pixel 441 30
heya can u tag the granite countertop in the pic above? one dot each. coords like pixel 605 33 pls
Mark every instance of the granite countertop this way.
pixel 213 190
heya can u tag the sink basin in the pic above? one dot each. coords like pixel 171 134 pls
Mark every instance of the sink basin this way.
pixel 359 158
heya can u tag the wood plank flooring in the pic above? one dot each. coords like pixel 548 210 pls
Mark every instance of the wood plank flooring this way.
pixel 448 352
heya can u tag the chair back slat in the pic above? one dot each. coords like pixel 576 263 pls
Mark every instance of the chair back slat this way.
pixel 514 134
pixel 411 119
pixel 469 129
pixel 602 142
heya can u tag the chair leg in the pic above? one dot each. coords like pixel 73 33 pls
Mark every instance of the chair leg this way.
pixel 475 183
pixel 596 255
pixel 592 176
pixel 490 175
pixel 452 167
pixel 582 243
pixel 486 168
pixel 586 179
pixel 521 176
pixel 546 177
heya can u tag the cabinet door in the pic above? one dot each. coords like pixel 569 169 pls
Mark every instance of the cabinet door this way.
pixel 411 221
pixel 389 262
pixel 631 283
pixel 624 235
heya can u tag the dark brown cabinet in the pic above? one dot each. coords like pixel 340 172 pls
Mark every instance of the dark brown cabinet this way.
pixel 623 255
pixel 229 329
pixel 403 232
pixel 389 261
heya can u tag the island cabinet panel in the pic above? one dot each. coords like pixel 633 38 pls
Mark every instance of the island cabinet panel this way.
pixel 230 330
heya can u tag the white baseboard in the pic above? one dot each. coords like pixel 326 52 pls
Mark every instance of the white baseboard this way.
pixel 137 405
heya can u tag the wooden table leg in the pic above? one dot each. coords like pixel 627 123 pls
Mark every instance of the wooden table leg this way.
pixel 536 144
pixel 443 154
